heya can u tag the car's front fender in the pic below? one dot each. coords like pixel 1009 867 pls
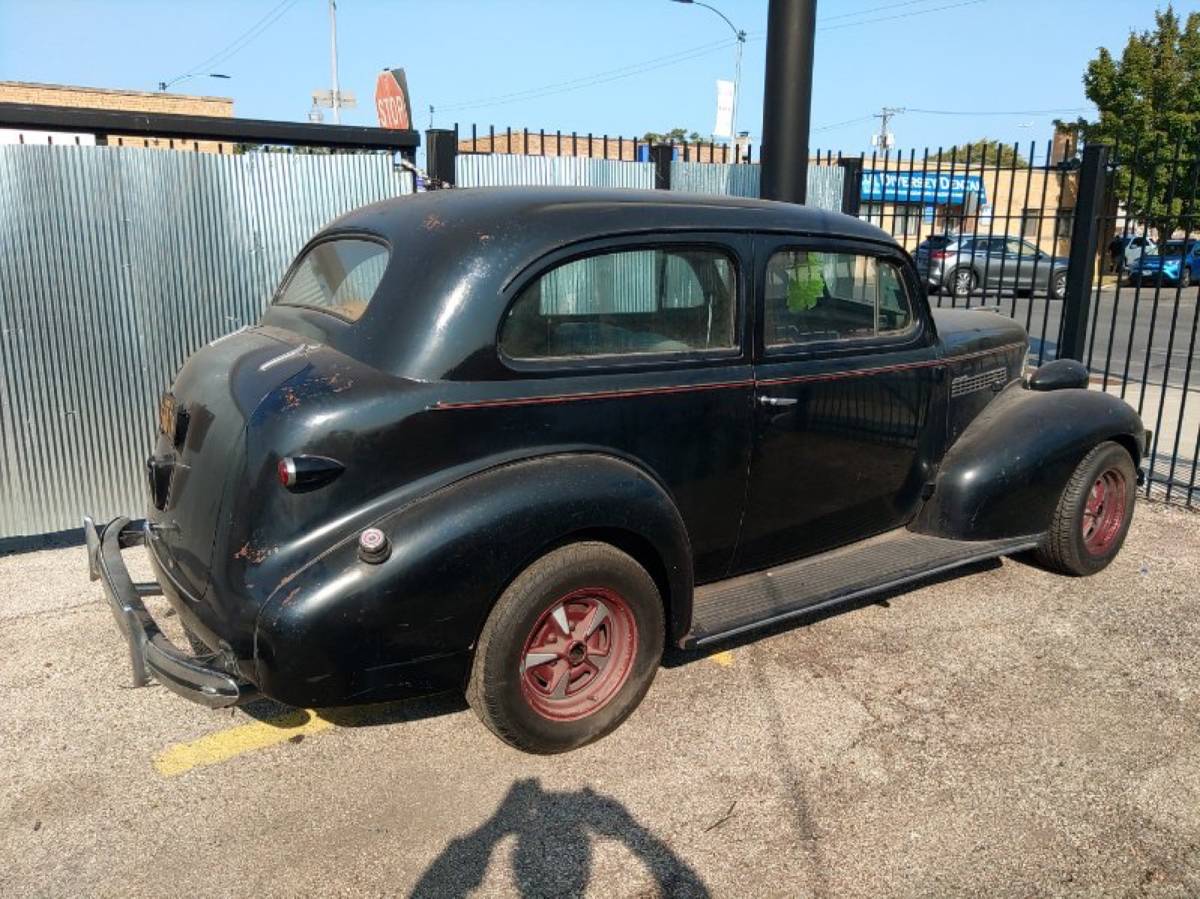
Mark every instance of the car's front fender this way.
pixel 342 627
pixel 1003 476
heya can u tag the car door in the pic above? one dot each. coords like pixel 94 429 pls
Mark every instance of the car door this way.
pixel 846 368
pixel 638 347
pixel 992 263
pixel 1029 267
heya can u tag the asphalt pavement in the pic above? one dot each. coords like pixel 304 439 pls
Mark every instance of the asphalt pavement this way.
pixel 1007 732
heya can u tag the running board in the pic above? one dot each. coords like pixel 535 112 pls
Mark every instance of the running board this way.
pixel 750 601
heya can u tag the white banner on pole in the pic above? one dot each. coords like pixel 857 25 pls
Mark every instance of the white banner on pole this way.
pixel 724 126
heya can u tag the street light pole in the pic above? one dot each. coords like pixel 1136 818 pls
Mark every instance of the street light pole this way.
pixel 740 36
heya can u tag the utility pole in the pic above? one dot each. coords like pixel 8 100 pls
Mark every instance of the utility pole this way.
pixel 335 98
pixel 787 99
pixel 883 140
pixel 333 66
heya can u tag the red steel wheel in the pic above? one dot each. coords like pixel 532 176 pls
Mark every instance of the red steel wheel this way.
pixel 1093 513
pixel 578 654
pixel 569 649
pixel 1104 512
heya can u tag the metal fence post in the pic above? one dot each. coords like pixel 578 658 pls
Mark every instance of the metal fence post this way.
pixel 852 170
pixel 441 153
pixel 660 155
pixel 1081 262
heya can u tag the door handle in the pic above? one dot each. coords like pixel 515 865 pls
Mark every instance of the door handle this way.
pixel 777 400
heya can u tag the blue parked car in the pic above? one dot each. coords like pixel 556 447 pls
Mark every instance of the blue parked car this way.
pixel 1176 262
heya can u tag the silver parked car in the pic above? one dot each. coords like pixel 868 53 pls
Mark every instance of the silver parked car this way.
pixel 966 263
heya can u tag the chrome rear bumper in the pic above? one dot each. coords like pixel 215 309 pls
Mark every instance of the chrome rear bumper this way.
pixel 151 654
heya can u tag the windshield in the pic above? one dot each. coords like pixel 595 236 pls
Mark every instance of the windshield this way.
pixel 1173 248
pixel 336 276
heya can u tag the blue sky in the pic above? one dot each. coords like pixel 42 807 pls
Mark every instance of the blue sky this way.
pixel 566 59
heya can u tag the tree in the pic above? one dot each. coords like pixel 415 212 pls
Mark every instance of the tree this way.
pixel 679 134
pixel 984 151
pixel 1149 104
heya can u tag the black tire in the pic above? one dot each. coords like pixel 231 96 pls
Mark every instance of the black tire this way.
pixel 1065 548
pixel 962 283
pixel 1058 285
pixel 505 696
pixel 1185 278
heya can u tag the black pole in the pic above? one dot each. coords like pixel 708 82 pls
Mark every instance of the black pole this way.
pixel 852 169
pixel 660 155
pixel 441 150
pixel 1081 263
pixel 787 99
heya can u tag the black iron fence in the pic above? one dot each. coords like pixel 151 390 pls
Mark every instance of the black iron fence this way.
pixel 1091 249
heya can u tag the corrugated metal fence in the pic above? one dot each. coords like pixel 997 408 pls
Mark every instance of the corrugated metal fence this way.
pixel 498 169
pixel 115 265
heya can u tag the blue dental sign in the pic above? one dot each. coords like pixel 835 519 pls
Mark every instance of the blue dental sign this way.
pixel 920 187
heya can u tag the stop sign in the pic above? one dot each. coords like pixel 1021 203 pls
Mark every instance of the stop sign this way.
pixel 391 100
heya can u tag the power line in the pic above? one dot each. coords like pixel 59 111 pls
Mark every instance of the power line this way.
pixel 830 127
pixel 595 78
pixel 997 111
pixel 950 112
pixel 243 40
pixel 863 12
pixel 909 15
pixel 659 62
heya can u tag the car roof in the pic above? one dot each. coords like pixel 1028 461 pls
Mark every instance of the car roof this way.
pixel 557 215
pixel 456 252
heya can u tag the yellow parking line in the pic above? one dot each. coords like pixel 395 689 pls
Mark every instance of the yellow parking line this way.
pixel 226 744
pixel 723 658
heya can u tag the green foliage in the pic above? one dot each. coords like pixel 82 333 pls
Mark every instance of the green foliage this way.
pixel 1149 103
pixel 676 134
pixel 806 283
pixel 984 151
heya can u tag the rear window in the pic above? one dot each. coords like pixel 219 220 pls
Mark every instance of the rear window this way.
pixel 336 276
pixel 624 303
pixel 936 243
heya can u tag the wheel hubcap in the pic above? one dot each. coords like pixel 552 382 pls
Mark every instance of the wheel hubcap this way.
pixel 578 654
pixel 962 283
pixel 1104 512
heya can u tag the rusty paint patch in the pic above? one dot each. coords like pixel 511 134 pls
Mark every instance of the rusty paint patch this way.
pixel 253 555
pixel 291 399
pixel 433 223
pixel 291 595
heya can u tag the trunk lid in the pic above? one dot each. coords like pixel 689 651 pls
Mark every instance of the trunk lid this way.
pixel 201 445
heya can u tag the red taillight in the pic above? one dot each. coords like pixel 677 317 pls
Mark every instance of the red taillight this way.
pixel 287 472
pixel 938 254
pixel 300 474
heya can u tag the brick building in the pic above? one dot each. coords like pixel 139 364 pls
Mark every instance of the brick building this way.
pixel 127 101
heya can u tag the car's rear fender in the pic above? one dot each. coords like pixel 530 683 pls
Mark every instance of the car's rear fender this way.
pixel 1003 476
pixel 341 628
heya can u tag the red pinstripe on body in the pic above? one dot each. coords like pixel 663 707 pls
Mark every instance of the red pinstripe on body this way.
pixel 442 405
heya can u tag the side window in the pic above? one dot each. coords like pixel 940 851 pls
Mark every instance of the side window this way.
pixel 816 297
pixel 631 302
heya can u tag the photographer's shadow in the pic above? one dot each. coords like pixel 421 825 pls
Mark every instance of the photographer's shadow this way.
pixel 553 849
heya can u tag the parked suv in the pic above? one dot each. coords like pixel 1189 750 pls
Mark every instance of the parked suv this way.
pixel 1175 262
pixel 965 263
pixel 1127 251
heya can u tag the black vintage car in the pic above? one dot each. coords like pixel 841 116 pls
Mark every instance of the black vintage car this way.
pixel 514 441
